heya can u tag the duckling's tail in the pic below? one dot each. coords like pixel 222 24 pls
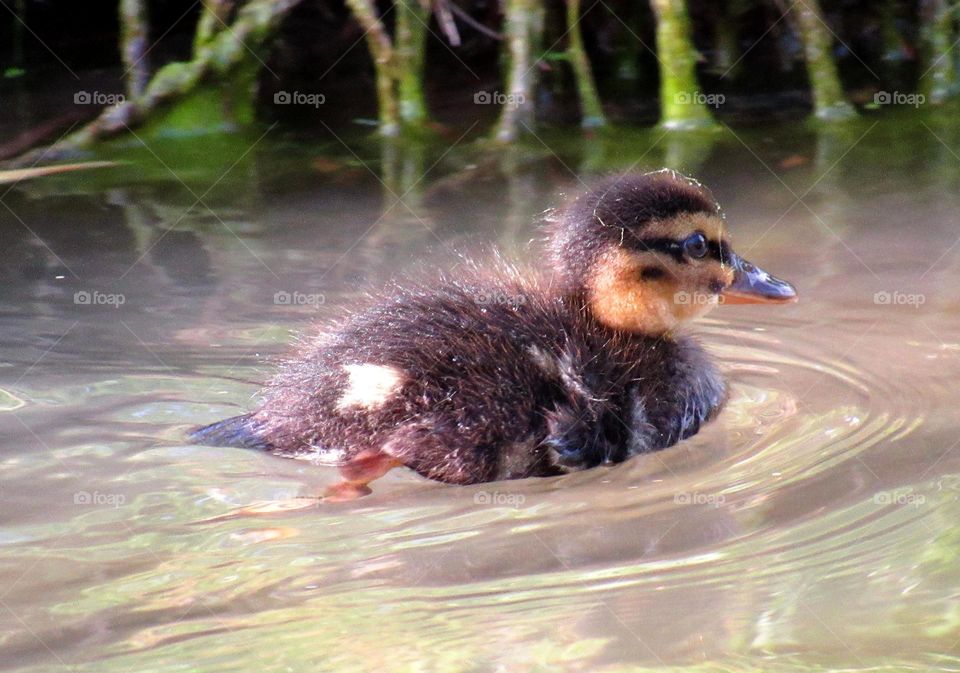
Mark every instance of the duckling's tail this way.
pixel 240 431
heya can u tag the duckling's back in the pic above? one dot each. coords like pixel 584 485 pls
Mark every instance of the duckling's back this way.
pixel 475 379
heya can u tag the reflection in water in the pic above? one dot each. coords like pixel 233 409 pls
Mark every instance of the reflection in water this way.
pixel 812 527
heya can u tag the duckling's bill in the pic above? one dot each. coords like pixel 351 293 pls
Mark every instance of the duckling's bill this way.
pixel 753 285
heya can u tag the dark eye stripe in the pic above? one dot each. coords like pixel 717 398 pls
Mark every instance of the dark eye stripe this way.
pixel 668 246
pixel 721 252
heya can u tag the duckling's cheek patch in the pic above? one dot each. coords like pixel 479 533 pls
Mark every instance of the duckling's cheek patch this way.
pixel 369 386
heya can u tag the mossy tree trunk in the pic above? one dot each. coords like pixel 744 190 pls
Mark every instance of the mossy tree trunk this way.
pixel 523 32
pixel 682 104
pixel 214 16
pixel 384 63
pixel 591 110
pixel 937 32
pixel 19 64
pixel 134 38
pixel 889 34
pixel 627 47
pixel 398 62
pixel 829 101
pixel 726 37
pixel 411 42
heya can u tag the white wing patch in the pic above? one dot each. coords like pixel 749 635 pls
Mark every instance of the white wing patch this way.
pixel 369 386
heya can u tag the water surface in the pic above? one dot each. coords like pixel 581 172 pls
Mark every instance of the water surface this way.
pixel 813 526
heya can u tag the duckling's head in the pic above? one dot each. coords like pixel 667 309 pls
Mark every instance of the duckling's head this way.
pixel 649 252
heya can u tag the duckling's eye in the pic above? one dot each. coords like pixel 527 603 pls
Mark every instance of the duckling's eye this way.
pixel 695 245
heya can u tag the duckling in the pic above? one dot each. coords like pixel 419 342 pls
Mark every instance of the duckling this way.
pixel 493 373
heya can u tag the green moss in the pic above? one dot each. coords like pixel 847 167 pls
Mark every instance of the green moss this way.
pixel 411 40
pixel 220 106
pixel 682 103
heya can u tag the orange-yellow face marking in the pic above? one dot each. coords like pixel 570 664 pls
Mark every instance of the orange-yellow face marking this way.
pixel 637 290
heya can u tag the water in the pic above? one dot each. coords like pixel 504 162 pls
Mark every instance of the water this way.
pixel 811 527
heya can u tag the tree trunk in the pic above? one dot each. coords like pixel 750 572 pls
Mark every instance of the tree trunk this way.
pixel 19 64
pixel 828 98
pixel 381 50
pixel 134 37
pixel 411 41
pixel 626 45
pixel 398 63
pixel 939 78
pixel 213 18
pixel 726 43
pixel 889 34
pixel 524 29
pixel 591 110
pixel 682 104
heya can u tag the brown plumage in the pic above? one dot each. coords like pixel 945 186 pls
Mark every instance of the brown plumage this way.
pixel 501 373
